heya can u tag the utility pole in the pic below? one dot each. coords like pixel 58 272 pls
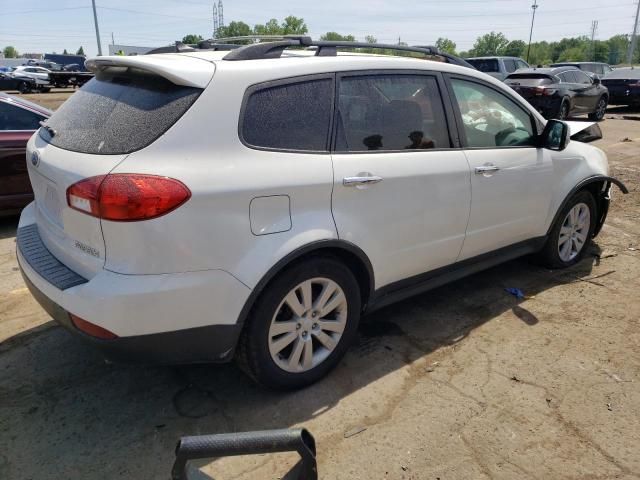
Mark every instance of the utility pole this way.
pixel 634 37
pixel 113 42
pixel 594 28
pixel 215 21
pixel 95 20
pixel 533 18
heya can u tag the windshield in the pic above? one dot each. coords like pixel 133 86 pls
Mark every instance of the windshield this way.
pixel 485 64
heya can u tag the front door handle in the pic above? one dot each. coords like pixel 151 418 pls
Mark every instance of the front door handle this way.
pixel 361 180
pixel 486 169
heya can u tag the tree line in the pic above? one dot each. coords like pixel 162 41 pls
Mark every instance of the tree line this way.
pixel 11 52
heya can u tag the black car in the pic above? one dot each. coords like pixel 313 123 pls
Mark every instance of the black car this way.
pixel 598 68
pixel 22 84
pixel 561 92
pixel 624 86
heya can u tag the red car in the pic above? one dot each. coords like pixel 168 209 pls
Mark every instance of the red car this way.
pixel 18 120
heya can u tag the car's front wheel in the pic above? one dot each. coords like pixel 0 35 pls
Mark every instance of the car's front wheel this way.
pixel 23 87
pixel 572 232
pixel 301 325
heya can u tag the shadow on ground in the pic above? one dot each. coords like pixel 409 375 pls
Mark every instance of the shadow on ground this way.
pixel 81 418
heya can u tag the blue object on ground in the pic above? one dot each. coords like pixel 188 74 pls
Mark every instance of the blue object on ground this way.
pixel 516 292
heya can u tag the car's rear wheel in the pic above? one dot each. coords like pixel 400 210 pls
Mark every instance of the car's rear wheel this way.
pixel 572 232
pixel 563 111
pixel 23 87
pixel 302 324
pixel 601 109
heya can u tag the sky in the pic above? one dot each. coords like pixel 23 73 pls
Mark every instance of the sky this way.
pixel 45 27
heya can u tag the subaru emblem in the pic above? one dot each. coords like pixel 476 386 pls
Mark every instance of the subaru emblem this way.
pixel 35 158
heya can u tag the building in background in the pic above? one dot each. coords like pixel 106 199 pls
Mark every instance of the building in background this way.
pixel 115 49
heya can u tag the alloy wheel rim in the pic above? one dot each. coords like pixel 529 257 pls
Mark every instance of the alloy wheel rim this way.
pixel 308 325
pixel 602 106
pixel 564 112
pixel 574 231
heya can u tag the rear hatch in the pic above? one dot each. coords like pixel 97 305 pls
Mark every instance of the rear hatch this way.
pixel 126 107
pixel 529 85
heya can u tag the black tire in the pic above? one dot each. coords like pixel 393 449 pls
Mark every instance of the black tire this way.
pixel 253 355
pixel 550 255
pixel 564 110
pixel 601 109
pixel 23 87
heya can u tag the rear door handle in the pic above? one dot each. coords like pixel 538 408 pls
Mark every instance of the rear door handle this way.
pixel 486 169
pixel 363 180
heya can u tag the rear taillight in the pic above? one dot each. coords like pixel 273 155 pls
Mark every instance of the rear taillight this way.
pixel 126 197
pixel 91 328
pixel 547 92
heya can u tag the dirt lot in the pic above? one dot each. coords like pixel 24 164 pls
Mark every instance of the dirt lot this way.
pixel 464 382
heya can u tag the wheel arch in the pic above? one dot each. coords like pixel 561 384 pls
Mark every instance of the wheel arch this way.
pixel 352 255
pixel 598 186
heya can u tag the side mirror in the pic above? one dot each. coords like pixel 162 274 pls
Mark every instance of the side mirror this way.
pixel 555 136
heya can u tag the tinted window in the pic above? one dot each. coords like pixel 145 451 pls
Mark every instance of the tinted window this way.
pixel 598 68
pixel 485 64
pixel 390 112
pixel 582 77
pixel 568 77
pixel 16 118
pixel 491 119
pixel 510 65
pixel 293 116
pixel 119 112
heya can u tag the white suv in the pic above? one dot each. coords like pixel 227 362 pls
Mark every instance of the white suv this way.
pixel 193 205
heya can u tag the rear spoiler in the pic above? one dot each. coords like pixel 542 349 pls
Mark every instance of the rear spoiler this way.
pixel 178 69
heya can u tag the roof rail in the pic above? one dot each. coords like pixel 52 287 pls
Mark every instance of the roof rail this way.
pixel 272 46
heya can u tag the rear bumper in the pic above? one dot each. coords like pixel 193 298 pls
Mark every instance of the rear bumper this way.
pixel 174 318
pixel 547 106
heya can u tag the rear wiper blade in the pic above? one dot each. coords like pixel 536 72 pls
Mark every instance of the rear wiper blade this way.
pixel 50 130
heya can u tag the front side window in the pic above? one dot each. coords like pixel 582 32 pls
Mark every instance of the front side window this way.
pixel 582 77
pixel 491 119
pixel 390 112
pixel 16 118
pixel 291 116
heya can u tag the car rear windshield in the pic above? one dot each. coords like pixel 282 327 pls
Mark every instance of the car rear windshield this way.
pixel 485 64
pixel 528 79
pixel 119 111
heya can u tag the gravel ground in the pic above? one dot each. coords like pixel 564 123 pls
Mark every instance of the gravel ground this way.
pixel 462 382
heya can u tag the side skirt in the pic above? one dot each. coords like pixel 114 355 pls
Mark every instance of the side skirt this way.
pixel 409 287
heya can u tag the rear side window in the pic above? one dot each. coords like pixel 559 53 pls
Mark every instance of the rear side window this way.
pixel 16 118
pixel 568 77
pixel 290 116
pixel 485 64
pixel 582 77
pixel 390 112
pixel 119 111
pixel 510 65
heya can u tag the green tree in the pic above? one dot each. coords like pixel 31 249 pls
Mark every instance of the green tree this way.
pixel 515 48
pixel 600 51
pixel 370 39
pixel 80 51
pixel 573 54
pixel 235 29
pixel 294 26
pixel 446 45
pixel 618 45
pixel 272 27
pixel 578 43
pixel 191 39
pixel 10 52
pixel 65 52
pixel 489 44
pixel 336 37
pixel 540 54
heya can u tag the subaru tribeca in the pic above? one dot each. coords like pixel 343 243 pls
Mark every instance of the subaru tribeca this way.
pixel 253 202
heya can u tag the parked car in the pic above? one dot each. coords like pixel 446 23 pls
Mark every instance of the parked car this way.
pixel 597 68
pixel 624 86
pixel 17 82
pixel 39 74
pixel 167 230
pixel 19 119
pixel 561 92
pixel 498 67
